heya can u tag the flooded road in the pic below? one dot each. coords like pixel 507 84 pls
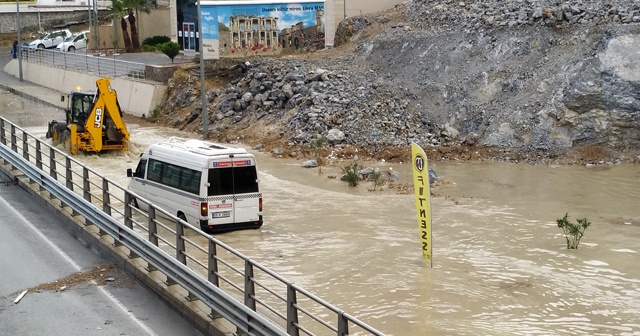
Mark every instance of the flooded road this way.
pixel 501 266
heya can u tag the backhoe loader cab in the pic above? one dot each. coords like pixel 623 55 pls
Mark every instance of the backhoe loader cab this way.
pixel 93 121
pixel 79 107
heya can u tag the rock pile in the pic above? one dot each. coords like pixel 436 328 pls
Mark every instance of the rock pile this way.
pixel 492 73
pixel 477 15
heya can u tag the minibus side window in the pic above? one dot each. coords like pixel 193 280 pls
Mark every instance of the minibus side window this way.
pixel 190 180
pixel 170 175
pixel 155 170
pixel 174 176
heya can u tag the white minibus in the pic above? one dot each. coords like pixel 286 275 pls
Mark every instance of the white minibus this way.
pixel 212 186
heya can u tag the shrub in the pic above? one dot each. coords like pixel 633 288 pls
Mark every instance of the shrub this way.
pixel 171 49
pixel 148 48
pixel 318 150
pixel 155 40
pixel 573 232
pixel 350 174
pixel 378 181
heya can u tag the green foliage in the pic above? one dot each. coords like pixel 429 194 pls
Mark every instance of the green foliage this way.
pixel 148 48
pixel 318 150
pixel 350 174
pixel 378 181
pixel 171 49
pixel 155 113
pixel 573 232
pixel 155 40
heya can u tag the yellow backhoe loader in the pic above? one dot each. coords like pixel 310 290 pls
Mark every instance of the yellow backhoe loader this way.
pixel 93 121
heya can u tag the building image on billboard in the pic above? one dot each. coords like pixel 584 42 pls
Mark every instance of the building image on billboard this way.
pixel 269 28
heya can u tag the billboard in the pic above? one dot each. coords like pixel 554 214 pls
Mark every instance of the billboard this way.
pixel 247 28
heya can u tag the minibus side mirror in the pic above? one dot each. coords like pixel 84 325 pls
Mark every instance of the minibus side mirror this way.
pixel 129 172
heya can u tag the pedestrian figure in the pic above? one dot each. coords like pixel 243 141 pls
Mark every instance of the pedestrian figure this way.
pixel 14 49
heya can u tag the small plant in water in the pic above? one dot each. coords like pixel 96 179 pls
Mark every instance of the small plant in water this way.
pixel 378 181
pixel 317 146
pixel 350 174
pixel 573 232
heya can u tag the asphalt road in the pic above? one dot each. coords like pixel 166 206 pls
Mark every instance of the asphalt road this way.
pixel 36 250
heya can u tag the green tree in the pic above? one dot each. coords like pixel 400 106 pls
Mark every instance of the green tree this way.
pixel 573 232
pixel 138 6
pixel 171 49
pixel 127 11
pixel 120 12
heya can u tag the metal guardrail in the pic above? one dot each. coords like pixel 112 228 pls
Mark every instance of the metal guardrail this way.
pixel 255 299
pixel 81 62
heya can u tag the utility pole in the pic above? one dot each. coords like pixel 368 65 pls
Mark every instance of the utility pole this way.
pixel 96 22
pixel 19 51
pixel 203 92
pixel 344 2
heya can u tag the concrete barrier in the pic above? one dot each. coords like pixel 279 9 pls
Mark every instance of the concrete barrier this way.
pixel 136 97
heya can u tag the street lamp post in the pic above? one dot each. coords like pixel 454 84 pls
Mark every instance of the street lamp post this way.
pixel 19 51
pixel 203 92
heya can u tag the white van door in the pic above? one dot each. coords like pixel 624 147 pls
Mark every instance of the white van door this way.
pixel 137 184
pixel 220 193
pixel 245 187
pixel 233 193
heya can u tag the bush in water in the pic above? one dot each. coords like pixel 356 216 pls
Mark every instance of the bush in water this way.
pixel 573 232
pixel 350 174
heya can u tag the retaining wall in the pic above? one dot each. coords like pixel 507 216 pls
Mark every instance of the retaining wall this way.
pixel 136 97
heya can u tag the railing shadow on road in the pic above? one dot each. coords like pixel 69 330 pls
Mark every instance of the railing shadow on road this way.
pixel 81 62
pixel 249 295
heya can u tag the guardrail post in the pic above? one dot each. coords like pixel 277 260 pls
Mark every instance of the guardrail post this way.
pixel 343 325
pixel 127 210
pixel 14 146
pixel 86 186
pixel 180 248
pixel 106 197
pixel 38 155
pixel 213 264
pixel 25 146
pixel 153 232
pixel 249 286
pixel 3 138
pixel 213 271
pixel 69 173
pixel 153 227
pixel 52 164
pixel 292 311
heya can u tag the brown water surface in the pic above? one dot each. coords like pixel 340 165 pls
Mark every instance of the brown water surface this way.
pixel 500 263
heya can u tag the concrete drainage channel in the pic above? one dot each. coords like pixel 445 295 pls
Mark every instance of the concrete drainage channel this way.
pixel 193 311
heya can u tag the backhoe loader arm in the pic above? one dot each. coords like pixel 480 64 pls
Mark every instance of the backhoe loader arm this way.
pixel 104 123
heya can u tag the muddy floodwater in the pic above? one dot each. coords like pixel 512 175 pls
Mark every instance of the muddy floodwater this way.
pixel 500 263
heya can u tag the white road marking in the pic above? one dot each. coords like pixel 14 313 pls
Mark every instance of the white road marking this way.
pixel 78 268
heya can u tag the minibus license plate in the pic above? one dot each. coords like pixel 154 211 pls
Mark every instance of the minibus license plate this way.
pixel 222 214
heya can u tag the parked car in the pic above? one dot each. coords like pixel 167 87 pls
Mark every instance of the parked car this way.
pixel 71 43
pixel 51 40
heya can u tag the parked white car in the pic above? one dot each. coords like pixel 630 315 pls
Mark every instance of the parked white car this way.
pixel 77 41
pixel 50 40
